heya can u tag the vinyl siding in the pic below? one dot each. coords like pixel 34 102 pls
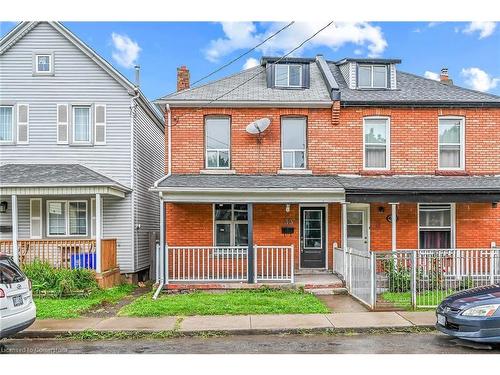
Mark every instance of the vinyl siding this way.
pixel 148 167
pixel 77 79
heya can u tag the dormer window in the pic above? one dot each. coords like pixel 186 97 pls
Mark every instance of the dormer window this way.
pixel 288 75
pixel 372 76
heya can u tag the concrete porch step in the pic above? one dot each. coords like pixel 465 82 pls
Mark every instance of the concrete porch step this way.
pixel 312 271
pixel 326 291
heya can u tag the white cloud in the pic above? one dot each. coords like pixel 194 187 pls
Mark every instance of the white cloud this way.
pixel 479 80
pixel 125 50
pixel 485 29
pixel 250 63
pixel 431 75
pixel 243 35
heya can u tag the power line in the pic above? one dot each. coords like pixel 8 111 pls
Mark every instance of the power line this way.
pixel 261 71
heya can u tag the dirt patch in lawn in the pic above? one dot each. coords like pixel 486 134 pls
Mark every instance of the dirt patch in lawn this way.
pixel 107 309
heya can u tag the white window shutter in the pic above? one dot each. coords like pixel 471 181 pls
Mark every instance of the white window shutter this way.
pixel 92 217
pixel 62 123
pixel 36 218
pixel 100 124
pixel 22 123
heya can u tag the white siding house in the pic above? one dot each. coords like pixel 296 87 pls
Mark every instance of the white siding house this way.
pixel 62 104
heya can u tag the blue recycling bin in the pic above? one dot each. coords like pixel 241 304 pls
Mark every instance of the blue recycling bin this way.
pixel 83 260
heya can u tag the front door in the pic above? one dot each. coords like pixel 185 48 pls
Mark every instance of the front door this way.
pixel 312 237
pixel 357 227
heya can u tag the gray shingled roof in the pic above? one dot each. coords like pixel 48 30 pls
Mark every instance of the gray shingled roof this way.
pixel 254 90
pixel 421 183
pixel 53 175
pixel 410 89
pixel 203 181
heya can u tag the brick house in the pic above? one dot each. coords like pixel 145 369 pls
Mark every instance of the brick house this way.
pixel 350 146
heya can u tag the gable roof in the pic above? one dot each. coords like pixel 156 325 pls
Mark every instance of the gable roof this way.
pixel 25 27
pixel 412 90
pixel 255 91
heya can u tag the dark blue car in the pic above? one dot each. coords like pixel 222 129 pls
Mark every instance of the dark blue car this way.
pixel 472 315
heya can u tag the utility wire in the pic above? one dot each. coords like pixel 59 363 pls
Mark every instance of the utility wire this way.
pixel 260 72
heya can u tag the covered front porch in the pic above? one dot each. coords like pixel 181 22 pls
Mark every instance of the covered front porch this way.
pixel 56 214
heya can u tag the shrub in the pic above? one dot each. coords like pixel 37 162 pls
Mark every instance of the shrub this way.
pixel 46 278
pixel 399 277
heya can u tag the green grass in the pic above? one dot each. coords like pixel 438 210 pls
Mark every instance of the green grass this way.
pixel 430 298
pixel 74 307
pixel 240 302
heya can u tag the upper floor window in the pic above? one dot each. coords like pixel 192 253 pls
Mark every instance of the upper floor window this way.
pixel 81 124
pixel 376 143
pixel 451 143
pixel 43 63
pixel 372 76
pixel 6 123
pixel 217 142
pixel 293 142
pixel 288 75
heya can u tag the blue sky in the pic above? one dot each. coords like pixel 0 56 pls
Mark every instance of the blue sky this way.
pixel 471 51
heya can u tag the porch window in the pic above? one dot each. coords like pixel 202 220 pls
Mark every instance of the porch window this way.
pixel 451 143
pixel 67 218
pixel 81 124
pixel 231 224
pixel 293 142
pixel 435 226
pixel 376 143
pixel 6 124
pixel 217 142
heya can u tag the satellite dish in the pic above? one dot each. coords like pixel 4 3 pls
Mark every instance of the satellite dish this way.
pixel 258 126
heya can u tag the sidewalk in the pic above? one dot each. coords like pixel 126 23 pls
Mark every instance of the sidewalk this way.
pixel 236 324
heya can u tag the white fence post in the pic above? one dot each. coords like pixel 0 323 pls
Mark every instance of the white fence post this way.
pixel 373 279
pixel 350 267
pixel 492 265
pixel 414 265
pixel 292 266
pixel 256 255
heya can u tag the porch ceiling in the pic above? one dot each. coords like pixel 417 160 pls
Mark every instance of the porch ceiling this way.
pixel 52 179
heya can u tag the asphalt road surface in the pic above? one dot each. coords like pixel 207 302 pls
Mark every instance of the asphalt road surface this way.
pixel 402 343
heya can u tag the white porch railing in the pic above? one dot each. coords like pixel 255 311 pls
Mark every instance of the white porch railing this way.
pixel 274 263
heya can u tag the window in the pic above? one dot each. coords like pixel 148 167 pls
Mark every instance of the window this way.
pixel 36 218
pixel 6 124
pixel 288 75
pixel 293 143
pixel 81 124
pixel 43 63
pixel 376 143
pixel 451 143
pixel 217 142
pixel 355 224
pixel 231 224
pixel 372 76
pixel 435 226
pixel 67 218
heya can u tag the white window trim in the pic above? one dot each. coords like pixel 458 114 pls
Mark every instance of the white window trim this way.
pixel 103 124
pixel 218 149
pixel 73 132
pixel 27 123
pixel 232 223
pixel 9 141
pixel 288 75
pixel 387 143
pixel 93 231
pixel 452 220
pixel 462 144
pixel 51 64
pixel 59 123
pixel 372 86
pixel 283 150
pixel 66 218
pixel 40 218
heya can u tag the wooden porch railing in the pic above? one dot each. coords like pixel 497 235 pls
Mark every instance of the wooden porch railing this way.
pixel 64 253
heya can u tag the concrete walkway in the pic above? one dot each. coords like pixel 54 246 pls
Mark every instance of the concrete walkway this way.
pixel 236 324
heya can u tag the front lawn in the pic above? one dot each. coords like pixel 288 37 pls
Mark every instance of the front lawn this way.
pixel 238 302
pixel 429 298
pixel 74 307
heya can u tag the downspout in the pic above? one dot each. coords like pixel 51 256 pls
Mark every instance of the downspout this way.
pixel 161 255
pixel 133 106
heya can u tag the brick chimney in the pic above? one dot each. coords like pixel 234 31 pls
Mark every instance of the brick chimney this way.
pixel 444 78
pixel 182 78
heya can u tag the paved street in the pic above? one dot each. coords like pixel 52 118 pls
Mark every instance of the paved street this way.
pixel 402 343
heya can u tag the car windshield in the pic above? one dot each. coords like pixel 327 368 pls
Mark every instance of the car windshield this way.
pixel 10 272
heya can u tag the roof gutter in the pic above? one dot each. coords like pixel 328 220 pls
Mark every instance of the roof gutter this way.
pixel 420 104
pixel 243 104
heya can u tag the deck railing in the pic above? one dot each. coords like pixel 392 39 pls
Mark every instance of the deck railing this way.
pixel 228 263
pixel 64 253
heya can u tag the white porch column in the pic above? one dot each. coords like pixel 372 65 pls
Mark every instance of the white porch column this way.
pixel 98 231
pixel 393 222
pixel 15 249
pixel 162 257
pixel 344 226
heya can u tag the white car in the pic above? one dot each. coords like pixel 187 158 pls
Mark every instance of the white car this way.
pixel 17 309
